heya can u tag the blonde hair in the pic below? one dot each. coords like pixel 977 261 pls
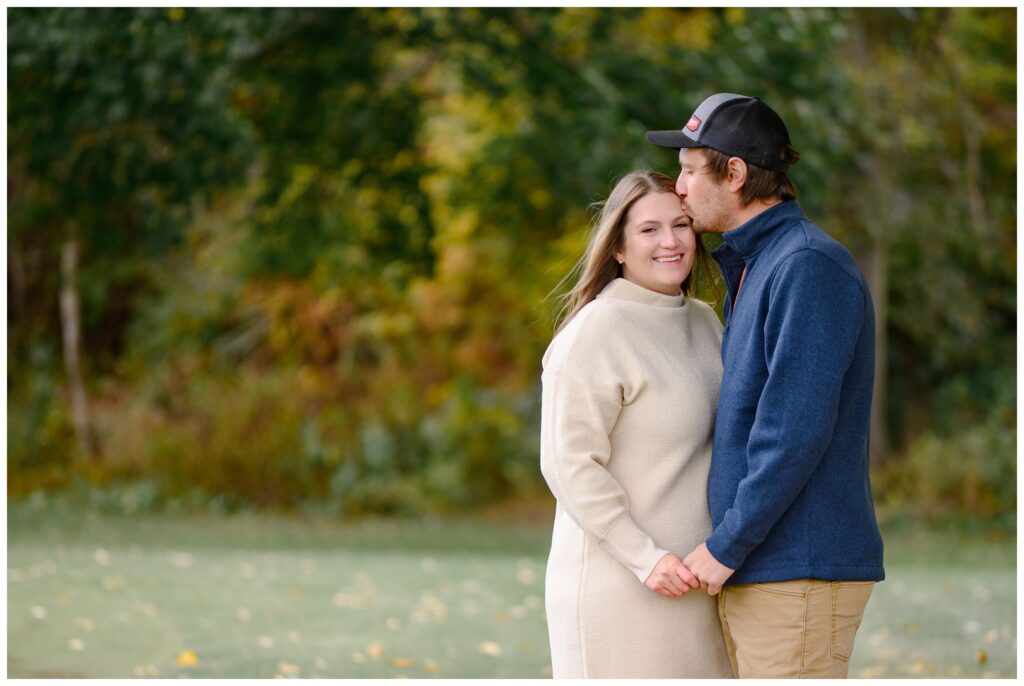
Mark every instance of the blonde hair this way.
pixel 598 266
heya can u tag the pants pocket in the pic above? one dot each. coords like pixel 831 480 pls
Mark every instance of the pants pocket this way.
pixel 849 598
pixel 766 624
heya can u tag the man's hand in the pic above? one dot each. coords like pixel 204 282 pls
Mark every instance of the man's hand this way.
pixel 671 578
pixel 712 573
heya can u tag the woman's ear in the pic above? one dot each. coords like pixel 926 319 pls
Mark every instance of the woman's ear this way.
pixel 737 175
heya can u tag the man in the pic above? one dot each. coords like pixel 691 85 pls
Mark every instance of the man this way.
pixel 795 549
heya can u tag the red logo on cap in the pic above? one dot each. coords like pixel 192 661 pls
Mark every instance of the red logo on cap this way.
pixel 693 124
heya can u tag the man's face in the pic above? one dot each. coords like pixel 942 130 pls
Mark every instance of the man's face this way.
pixel 706 199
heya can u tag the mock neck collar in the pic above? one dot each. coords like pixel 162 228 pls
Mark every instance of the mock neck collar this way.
pixel 749 238
pixel 623 289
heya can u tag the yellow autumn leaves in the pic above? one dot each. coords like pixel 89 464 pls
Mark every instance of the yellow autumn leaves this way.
pixel 376 651
pixel 187 658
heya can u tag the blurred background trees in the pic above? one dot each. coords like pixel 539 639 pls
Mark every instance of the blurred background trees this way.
pixel 308 252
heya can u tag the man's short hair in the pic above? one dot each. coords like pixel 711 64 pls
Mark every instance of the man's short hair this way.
pixel 762 184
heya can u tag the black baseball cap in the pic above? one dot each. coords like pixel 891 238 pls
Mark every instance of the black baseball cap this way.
pixel 737 125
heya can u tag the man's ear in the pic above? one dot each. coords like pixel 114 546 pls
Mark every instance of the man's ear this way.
pixel 737 175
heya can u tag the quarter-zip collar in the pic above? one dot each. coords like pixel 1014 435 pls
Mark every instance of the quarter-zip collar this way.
pixel 749 238
pixel 742 244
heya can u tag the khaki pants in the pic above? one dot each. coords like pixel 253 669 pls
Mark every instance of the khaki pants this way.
pixel 792 629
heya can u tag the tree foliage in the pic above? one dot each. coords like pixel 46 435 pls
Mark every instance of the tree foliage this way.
pixel 320 242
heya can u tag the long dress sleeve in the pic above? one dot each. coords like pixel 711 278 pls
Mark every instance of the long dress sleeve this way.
pixel 579 408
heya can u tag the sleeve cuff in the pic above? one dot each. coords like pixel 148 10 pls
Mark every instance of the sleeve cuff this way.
pixel 726 549
pixel 628 544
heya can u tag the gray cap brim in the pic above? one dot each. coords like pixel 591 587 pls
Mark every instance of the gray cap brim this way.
pixel 671 139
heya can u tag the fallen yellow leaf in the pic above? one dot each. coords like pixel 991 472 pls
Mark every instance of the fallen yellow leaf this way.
pixel 872 672
pixel 431 666
pixel 375 650
pixel 490 648
pixel 401 662
pixel 981 657
pixel 113 583
pixel 288 668
pixel 187 658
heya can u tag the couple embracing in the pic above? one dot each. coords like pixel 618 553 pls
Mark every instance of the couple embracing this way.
pixel 714 512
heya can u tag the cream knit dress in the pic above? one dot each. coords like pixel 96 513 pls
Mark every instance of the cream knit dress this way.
pixel 629 393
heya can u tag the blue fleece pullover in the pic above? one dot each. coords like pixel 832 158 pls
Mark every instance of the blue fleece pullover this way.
pixel 788 489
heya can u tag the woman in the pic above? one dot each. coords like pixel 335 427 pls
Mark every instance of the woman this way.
pixel 630 384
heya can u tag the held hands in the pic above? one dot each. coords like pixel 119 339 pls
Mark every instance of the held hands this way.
pixel 671 578
pixel 712 573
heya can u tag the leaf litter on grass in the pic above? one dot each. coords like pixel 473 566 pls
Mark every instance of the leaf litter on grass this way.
pixel 329 612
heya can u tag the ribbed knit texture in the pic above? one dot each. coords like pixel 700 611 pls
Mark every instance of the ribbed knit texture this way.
pixel 629 393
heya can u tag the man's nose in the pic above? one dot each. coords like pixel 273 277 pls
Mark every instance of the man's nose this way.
pixel 681 186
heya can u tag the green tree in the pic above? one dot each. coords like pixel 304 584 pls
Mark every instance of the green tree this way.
pixel 407 185
pixel 117 125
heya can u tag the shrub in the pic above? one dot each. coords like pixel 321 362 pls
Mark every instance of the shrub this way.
pixel 970 471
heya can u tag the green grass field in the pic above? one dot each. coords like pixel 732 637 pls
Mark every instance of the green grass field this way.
pixel 256 596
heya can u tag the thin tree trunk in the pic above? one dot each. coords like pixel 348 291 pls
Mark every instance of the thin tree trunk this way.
pixel 878 283
pixel 71 319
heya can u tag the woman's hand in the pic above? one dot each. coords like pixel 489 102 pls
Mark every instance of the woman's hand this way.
pixel 671 578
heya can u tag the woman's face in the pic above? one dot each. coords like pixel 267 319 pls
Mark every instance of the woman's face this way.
pixel 658 244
